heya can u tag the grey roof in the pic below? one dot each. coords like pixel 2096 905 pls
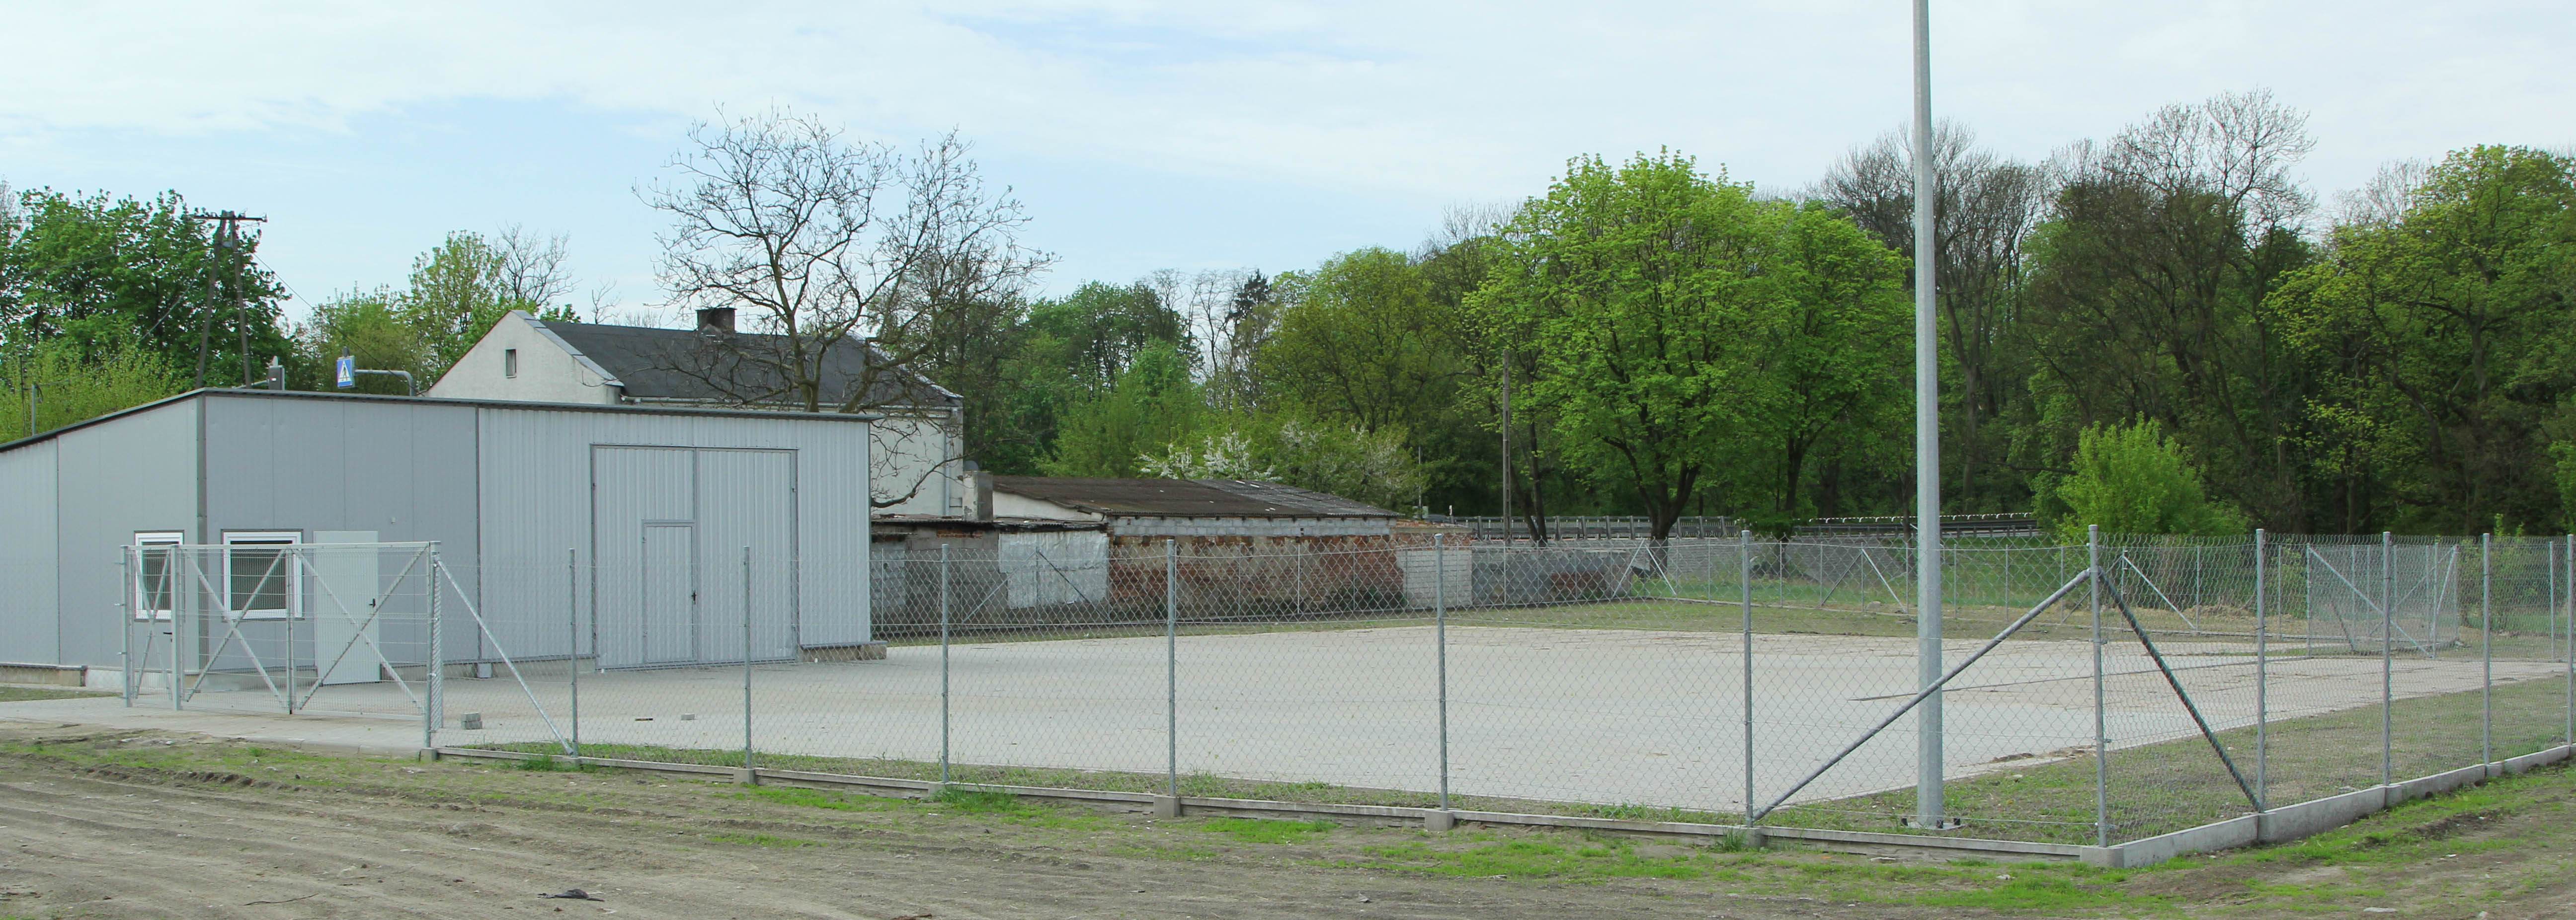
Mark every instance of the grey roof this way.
pixel 740 368
pixel 1187 497
pixel 52 433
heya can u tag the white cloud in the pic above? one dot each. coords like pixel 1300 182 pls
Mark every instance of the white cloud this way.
pixel 1405 102
pixel 1452 99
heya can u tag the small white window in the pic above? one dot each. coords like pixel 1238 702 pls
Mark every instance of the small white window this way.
pixel 155 575
pixel 509 362
pixel 262 579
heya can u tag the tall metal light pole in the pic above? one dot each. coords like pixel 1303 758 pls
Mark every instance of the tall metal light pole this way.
pixel 1927 439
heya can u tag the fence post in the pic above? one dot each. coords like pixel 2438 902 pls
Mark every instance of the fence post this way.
pixel 290 559
pixel 572 640
pixel 746 663
pixel 2486 649
pixel 2262 686
pixel 1440 637
pixel 125 623
pixel 170 567
pixel 2571 653
pixel 1172 672
pixel 1744 583
pixel 433 709
pixel 943 665
pixel 2101 718
pixel 2387 654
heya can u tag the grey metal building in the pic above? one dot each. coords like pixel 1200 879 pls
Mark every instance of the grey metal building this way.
pixel 653 506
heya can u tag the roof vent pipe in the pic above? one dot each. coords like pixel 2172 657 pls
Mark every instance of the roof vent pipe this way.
pixel 715 319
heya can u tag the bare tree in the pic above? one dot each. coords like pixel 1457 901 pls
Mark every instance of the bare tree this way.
pixel 530 269
pixel 1988 207
pixel 842 256
pixel 1218 303
pixel 2387 196
pixel 2236 146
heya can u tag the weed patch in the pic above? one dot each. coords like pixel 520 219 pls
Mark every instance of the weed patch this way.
pixel 1257 830
pixel 31 694
pixel 772 841
pixel 1586 861
pixel 813 798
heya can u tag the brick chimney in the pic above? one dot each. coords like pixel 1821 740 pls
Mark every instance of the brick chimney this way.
pixel 715 319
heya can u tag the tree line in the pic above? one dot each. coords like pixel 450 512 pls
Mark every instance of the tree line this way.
pixel 2159 330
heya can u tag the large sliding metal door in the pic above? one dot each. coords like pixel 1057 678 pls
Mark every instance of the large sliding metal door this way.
pixel 668 528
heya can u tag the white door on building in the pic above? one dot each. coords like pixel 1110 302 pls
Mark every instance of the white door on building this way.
pixel 346 627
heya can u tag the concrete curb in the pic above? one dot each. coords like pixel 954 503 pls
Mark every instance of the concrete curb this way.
pixel 1429 819
pixel 2292 822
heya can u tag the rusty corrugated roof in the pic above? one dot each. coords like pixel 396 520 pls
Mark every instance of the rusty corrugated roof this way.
pixel 1187 497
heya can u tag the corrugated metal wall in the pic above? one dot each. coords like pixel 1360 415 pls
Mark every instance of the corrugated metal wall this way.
pixel 505 491
pixel 30 628
pixel 537 467
pixel 138 473
pixel 404 470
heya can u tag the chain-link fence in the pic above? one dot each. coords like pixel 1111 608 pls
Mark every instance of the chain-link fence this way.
pixel 2087 694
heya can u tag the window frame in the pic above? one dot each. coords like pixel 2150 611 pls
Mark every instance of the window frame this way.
pixel 294 590
pixel 138 592
pixel 509 363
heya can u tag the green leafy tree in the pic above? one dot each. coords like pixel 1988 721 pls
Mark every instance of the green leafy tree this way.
pixel 2132 479
pixel 371 327
pixel 71 384
pixel 2450 335
pixel 1362 340
pixel 466 283
pixel 1343 459
pixel 1153 405
pixel 1093 334
pixel 1050 359
pixel 105 273
pixel 1686 334
pixel 1629 287
pixel 1830 342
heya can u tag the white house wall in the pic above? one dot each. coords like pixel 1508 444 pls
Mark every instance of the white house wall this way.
pixel 547 372
pixel 919 457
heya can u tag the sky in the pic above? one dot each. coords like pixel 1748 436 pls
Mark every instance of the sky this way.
pixel 1144 135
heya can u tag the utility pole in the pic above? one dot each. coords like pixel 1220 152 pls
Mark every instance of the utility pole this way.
pixel 227 247
pixel 1507 448
pixel 1927 442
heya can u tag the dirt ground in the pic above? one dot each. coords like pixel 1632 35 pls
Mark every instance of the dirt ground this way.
pixel 121 823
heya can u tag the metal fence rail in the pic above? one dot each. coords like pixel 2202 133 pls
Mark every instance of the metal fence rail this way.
pixel 2092 694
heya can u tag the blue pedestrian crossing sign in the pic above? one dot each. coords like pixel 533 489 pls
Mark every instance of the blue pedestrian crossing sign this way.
pixel 348 373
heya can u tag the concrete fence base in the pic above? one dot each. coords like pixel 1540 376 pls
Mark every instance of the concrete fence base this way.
pixel 2292 822
pixel 2279 825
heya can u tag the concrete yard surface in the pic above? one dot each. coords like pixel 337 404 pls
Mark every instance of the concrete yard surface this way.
pixel 1641 717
